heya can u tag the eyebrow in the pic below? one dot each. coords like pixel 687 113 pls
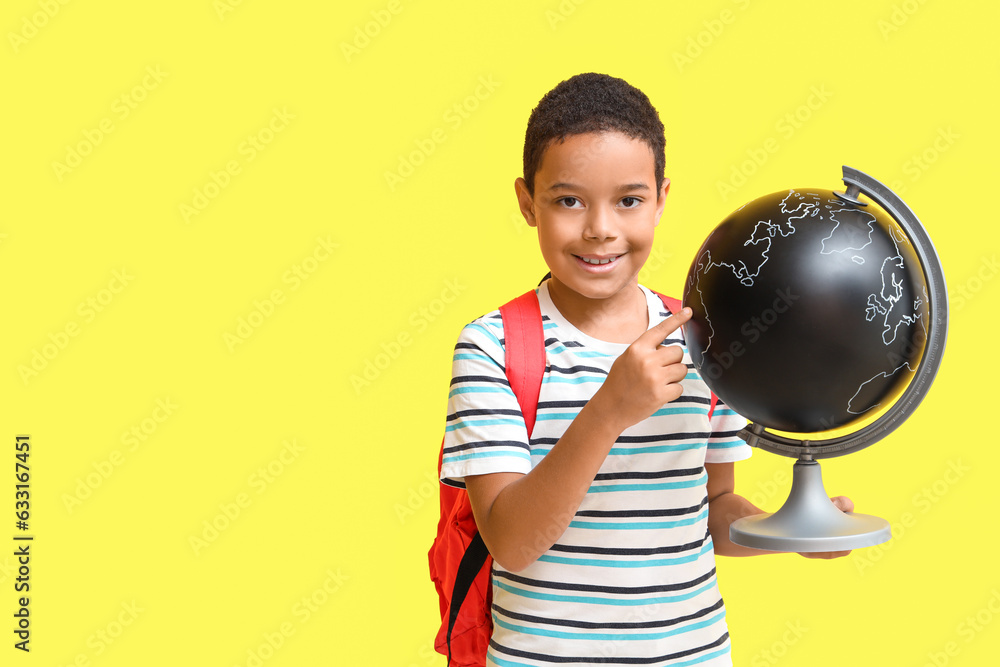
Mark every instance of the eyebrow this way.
pixel 625 187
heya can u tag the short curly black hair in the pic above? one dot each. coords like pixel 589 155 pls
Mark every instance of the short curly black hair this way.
pixel 592 103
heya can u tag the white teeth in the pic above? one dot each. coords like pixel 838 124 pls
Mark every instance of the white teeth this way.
pixel 598 261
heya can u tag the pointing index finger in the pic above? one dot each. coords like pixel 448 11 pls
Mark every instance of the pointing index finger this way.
pixel 655 335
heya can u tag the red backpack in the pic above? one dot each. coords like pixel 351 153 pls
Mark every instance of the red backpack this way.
pixel 460 564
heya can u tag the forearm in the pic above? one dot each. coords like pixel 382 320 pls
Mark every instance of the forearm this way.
pixel 728 507
pixel 722 511
pixel 523 518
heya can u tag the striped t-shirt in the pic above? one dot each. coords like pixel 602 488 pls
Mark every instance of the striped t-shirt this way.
pixel 632 580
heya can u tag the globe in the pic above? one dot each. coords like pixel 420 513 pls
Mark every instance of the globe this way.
pixel 813 311
pixel 809 311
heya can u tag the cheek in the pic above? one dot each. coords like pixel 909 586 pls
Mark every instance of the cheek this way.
pixel 553 235
pixel 548 243
pixel 641 255
pixel 643 241
pixel 642 246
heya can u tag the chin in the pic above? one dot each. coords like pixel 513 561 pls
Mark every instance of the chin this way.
pixel 596 290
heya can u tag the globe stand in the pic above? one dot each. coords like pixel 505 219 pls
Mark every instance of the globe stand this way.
pixel 809 521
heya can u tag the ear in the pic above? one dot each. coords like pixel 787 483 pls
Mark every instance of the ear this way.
pixel 525 201
pixel 661 199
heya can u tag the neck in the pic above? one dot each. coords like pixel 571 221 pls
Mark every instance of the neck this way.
pixel 619 318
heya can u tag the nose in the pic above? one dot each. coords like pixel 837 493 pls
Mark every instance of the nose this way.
pixel 600 224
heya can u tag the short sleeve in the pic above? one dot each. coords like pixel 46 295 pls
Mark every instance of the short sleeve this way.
pixel 725 445
pixel 485 431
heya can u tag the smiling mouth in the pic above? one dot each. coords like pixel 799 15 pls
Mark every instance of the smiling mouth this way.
pixel 597 261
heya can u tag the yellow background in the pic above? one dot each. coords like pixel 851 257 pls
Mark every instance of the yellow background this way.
pixel 326 558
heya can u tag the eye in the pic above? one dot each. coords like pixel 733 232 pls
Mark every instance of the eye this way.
pixel 630 202
pixel 569 202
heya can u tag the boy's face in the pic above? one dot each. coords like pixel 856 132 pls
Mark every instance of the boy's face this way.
pixel 595 206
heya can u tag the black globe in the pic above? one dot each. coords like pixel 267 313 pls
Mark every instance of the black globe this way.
pixel 809 311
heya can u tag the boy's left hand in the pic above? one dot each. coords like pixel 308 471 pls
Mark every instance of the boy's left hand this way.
pixel 844 504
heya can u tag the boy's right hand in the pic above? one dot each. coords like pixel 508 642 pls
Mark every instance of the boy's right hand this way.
pixel 646 375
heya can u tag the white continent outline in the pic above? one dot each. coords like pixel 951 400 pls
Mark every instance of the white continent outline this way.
pixel 887 303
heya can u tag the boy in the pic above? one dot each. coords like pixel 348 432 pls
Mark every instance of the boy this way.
pixel 604 524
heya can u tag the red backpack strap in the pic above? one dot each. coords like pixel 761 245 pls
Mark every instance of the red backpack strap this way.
pixel 524 352
pixel 674 306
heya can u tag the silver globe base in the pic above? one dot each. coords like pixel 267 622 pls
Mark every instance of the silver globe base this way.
pixel 809 521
